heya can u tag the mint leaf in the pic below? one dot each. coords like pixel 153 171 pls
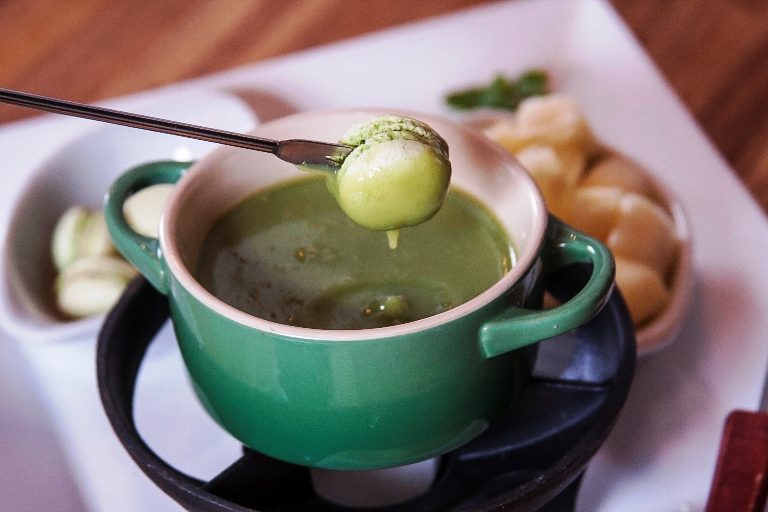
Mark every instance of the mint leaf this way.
pixel 501 93
pixel 532 83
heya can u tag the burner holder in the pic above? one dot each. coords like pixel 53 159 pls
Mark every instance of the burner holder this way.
pixel 531 459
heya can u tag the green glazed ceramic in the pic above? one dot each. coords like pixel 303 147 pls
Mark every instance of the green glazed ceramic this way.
pixel 359 399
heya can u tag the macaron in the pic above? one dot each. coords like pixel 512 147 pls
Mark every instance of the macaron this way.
pixel 397 176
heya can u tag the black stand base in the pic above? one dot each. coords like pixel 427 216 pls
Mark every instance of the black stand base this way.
pixel 532 459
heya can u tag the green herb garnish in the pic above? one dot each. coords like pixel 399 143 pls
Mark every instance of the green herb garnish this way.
pixel 501 93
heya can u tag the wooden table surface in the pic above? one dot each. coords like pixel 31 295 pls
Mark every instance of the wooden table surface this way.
pixel 714 53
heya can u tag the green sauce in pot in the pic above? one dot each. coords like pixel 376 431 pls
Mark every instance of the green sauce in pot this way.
pixel 289 254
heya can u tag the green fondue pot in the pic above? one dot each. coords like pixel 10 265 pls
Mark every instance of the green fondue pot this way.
pixel 358 399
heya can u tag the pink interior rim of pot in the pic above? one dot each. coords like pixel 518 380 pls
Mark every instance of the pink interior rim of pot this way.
pixel 228 175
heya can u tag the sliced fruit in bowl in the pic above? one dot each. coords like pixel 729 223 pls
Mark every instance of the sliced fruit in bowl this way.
pixel 72 181
pixel 607 195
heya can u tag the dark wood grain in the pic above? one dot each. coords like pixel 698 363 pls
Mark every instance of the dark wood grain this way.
pixel 714 53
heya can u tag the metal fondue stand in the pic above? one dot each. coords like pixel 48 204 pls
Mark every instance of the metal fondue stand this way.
pixel 531 459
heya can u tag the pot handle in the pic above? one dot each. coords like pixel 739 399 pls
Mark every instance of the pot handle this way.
pixel 563 245
pixel 142 252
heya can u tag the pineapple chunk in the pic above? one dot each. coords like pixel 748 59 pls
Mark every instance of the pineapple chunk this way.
pixel 595 210
pixel 548 172
pixel 507 133
pixel 621 172
pixel 642 288
pixel 555 120
pixel 645 233
pixel 573 161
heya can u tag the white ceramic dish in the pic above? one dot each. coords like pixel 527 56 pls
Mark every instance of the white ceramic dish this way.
pixel 665 327
pixel 79 174
pixel 670 426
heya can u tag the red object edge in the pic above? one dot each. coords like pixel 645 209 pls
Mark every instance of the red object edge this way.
pixel 740 483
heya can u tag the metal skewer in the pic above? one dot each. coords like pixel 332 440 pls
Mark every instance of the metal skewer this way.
pixel 312 155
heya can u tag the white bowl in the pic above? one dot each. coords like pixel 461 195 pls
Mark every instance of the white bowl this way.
pixel 80 173
pixel 666 325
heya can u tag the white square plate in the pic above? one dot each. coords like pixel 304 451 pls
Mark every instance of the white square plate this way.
pixel 662 452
